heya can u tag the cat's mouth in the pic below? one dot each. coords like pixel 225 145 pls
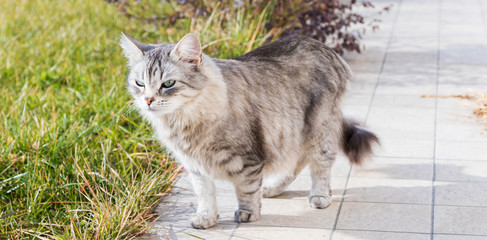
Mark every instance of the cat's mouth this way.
pixel 151 109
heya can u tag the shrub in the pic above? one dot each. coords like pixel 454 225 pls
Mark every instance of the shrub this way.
pixel 333 22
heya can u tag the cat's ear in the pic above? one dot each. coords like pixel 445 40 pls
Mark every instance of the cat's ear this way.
pixel 188 49
pixel 133 49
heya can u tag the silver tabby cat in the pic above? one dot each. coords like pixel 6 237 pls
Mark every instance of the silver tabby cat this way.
pixel 256 120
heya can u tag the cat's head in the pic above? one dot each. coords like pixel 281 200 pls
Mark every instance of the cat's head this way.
pixel 166 78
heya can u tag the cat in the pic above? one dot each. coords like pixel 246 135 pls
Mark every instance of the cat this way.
pixel 256 120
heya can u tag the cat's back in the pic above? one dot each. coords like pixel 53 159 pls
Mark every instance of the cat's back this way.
pixel 285 63
pixel 286 49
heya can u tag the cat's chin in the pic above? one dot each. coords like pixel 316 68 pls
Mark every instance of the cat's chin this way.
pixel 155 112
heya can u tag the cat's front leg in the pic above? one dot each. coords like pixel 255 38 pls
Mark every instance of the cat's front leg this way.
pixel 206 215
pixel 249 194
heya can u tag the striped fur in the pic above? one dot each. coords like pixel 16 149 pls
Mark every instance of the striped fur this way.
pixel 256 120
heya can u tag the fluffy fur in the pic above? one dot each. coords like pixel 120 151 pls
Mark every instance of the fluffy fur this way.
pixel 256 120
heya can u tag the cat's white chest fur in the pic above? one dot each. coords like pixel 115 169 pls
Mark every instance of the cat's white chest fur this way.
pixel 195 163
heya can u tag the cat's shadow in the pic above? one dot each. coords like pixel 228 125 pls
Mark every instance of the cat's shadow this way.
pixel 292 195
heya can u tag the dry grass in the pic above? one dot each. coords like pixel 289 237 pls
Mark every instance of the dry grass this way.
pixel 75 162
pixel 480 109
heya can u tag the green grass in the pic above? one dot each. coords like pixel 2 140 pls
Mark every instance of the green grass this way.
pixel 76 162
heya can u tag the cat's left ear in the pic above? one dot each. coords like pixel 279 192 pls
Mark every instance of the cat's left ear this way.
pixel 188 50
pixel 133 49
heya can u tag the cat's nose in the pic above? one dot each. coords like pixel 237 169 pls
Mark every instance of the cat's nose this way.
pixel 149 100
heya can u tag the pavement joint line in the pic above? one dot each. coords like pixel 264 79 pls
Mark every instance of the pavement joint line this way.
pixel 437 181
pixel 234 231
pixel 368 113
pixel 435 136
pixel 383 61
pixel 462 234
pixel 290 227
pixel 405 232
pixel 381 231
pixel 400 157
pixel 341 204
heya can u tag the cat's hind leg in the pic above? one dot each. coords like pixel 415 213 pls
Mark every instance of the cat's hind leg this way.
pixel 206 214
pixel 320 162
pixel 276 184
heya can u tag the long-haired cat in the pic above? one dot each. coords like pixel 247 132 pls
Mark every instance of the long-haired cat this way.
pixel 256 120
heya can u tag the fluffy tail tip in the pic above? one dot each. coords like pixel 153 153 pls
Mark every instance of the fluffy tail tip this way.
pixel 357 142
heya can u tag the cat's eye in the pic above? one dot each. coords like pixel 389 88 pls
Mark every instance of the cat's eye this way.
pixel 168 84
pixel 139 83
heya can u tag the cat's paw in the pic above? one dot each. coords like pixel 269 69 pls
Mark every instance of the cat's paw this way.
pixel 246 216
pixel 200 221
pixel 319 201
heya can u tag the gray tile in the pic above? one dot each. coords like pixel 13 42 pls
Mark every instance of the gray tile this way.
pixel 389 190
pixel 461 131
pixel 405 148
pixel 464 54
pixel 461 193
pixel 461 150
pixel 410 49
pixel 460 78
pixel 357 99
pixel 417 59
pixel 458 237
pixel 363 87
pixel 404 83
pixel 460 220
pixel 450 73
pixel 170 231
pixel 341 167
pixel 373 235
pixel 458 122
pixel 252 232
pixel 454 108
pixel 357 113
pixel 454 88
pixel 465 171
pixel 295 213
pixel 396 168
pixel 402 123
pixel 385 217
pixel 408 102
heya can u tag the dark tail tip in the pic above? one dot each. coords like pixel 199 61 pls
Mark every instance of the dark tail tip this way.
pixel 357 142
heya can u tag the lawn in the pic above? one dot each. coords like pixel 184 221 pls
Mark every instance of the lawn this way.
pixel 76 160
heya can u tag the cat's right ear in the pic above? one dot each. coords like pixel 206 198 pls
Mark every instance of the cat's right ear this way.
pixel 133 49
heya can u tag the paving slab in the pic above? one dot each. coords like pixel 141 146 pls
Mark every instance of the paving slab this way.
pixel 412 218
pixel 461 171
pixel 460 220
pixel 246 232
pixel 377 235
pixel 396 168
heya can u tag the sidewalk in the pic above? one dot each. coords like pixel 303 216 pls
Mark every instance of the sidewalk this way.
pixel 429 178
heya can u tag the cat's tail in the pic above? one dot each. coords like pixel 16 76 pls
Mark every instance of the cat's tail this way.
pixel 357 141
